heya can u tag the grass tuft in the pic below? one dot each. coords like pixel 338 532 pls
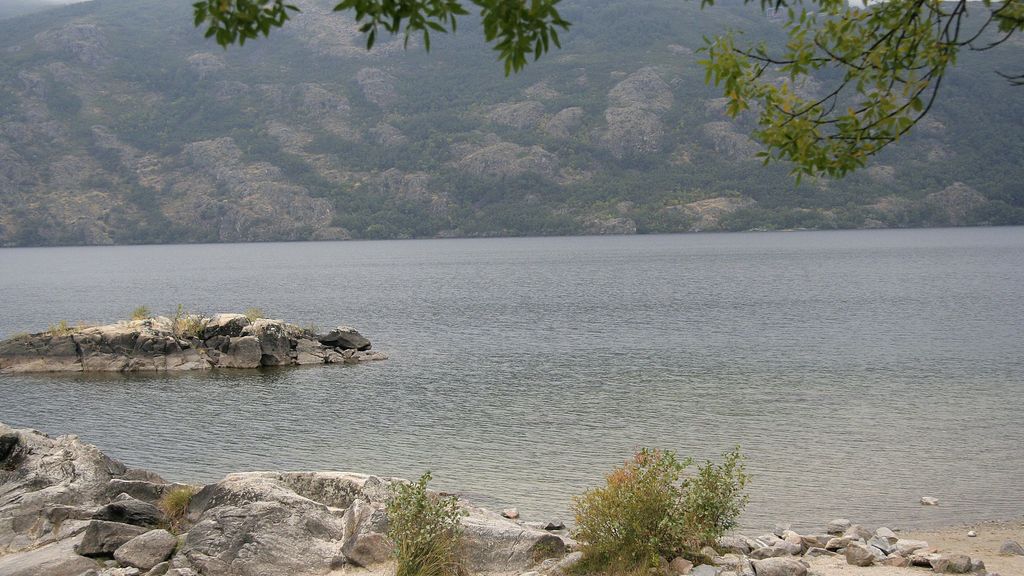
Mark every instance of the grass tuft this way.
pixel 141 313
pixel 254 314
pixel 174 504
pixel 426 529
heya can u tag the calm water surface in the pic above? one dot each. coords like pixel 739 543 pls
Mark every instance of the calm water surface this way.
pixel 858 370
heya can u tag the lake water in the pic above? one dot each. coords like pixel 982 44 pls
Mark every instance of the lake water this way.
pixel 858 370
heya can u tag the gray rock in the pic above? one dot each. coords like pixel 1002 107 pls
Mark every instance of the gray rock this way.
pixel 510 513
pixel 858 532
pixel 128 510
pixel 1011 548
pixel 951 563
pixel 55 559
pixel 735 544
pixel 838 526
pixel 275 346
pixel 887 534
pixel 908 547
pixel 366 526
pixel 242 352
pixel 978 566
pixel 896 561
pixel 882 544
pixel 705 570
pixel 781 529
pixel 815 552
pixel 147 550
pixel 496 544
pixel 554 525
pixel 102 538
pixel 838 543
pixel 680 566
pixel 859 555
pixel 49 487
pixel 229 325
pixel 345 338
pixel 160 569
pixel 779 567
pixel 923 558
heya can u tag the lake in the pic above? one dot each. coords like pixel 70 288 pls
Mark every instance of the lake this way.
pixel 858 370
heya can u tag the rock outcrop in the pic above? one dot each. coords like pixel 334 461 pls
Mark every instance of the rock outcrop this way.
pixel 186 343
pixel 248 524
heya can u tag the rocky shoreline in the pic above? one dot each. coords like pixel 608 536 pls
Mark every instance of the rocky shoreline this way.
pixel 188 342
pixel 66 509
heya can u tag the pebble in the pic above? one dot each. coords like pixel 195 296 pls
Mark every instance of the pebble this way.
pixel 972 534
pixel 510 513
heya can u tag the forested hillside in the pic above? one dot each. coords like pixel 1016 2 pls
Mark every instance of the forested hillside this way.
pixel 119 123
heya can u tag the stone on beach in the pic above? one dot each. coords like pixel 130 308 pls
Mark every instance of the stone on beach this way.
pixel 859 555
pixel 102 538
pixel 951 563
pixel 838 526
pixel 147 550
pixel 1011 548
pixel 779 567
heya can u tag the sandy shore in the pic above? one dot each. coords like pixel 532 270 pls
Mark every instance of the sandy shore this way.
pixel 985 546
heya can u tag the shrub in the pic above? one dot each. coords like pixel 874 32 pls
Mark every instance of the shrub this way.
pixel 141 313
pixel 254 314
pixel 61 329
pixel 186 325
pixel 174 504
pixel 425 529
pixel 646 511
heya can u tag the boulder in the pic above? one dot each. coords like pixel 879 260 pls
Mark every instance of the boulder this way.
pixel 896 561
pixel 838 526
pixel 275 346
pixel 779 567
pixel 734 544
pixel 227 325
pixel 781 529
pixel 859 555
pixel 48 487
pixel 815 552
pixel 838 543
pixel 40 353
pixel 147 550
pixel 345 338
pixel 128 510
pixel 159 570
pixel 908 547
pixel 705 570
pixel 886 534
pixel 102 538
pixel 242 352
pixel 951 563
pixel 255 523
pixel 493 543
pixel 309 352
pixel 511 513
pixel 858 532
pixel 882 544
pixel 1011 548
pixel 55 559
pixel 679 566
pixel 366 526
pixel 923 558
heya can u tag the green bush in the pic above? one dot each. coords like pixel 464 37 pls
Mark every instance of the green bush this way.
pixel 141 313
pixel 61 328
pixel 425 529
pixel 646 511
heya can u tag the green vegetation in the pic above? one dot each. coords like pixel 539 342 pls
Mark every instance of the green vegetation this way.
pixel 647 511
pixel 141 313
pixel 61 328
pixel 425 529
pixel 174 504
pixel 254 314
pixel 185 324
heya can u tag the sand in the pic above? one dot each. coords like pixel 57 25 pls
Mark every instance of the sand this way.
pixel 985 546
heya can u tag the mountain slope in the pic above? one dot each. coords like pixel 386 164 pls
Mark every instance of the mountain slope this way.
pixel 120 124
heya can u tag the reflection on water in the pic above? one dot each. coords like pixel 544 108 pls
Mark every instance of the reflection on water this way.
pixel 858 370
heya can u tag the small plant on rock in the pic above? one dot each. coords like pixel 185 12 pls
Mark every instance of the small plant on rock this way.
pixel 186 324
pixel 425 529
pixel 174 504
pixel 61 328
pixel 647 511
pixel 141 313
pixel 254 314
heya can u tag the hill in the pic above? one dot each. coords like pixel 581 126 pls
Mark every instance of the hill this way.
pixel 119 123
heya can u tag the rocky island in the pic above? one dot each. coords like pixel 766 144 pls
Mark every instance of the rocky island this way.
pixel 188 342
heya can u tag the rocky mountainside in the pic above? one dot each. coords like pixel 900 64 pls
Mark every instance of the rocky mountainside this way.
pixel 119 123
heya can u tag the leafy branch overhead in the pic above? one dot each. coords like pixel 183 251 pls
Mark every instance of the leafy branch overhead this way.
pixel 517 28
pixel 880 65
